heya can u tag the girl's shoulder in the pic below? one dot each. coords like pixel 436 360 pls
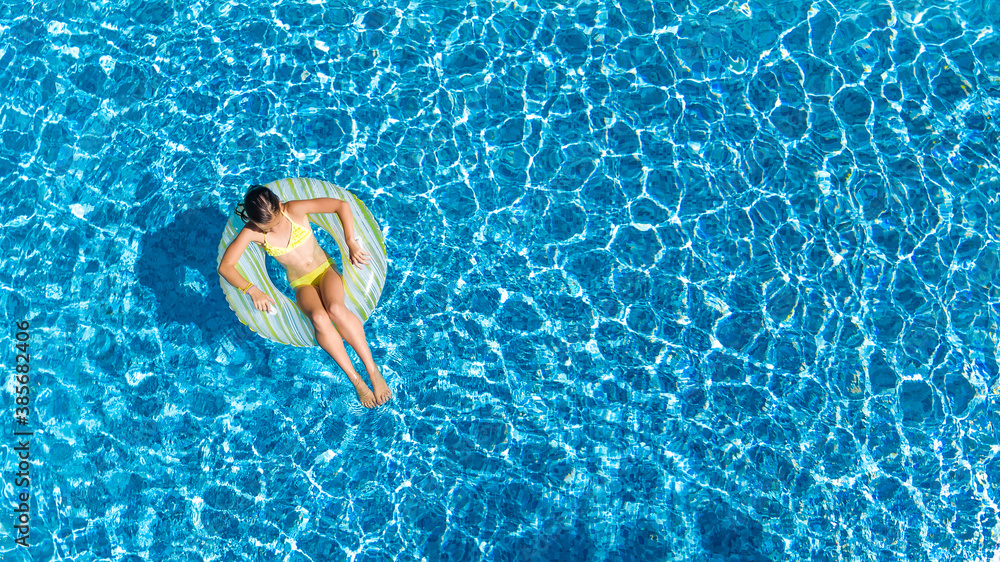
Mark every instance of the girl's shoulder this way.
pixel 251 233
pixel 298 210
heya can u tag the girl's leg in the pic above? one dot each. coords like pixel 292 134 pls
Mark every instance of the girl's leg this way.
pixel 349 326
pixel 308 299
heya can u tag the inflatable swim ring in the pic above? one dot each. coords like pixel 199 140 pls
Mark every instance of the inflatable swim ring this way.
pixel 362 286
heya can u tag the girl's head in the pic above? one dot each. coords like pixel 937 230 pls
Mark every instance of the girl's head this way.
pixel 261 205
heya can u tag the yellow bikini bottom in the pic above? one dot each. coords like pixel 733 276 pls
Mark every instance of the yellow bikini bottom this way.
pixel 313 276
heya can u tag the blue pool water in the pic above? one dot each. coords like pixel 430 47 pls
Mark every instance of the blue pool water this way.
pixel 681 280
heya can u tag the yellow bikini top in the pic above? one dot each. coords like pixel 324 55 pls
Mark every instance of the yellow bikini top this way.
pixel 299 235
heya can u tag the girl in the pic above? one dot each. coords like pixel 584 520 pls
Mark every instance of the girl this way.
pixel 319 289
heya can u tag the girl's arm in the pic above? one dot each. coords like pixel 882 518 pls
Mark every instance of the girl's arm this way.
pixel 227 267
pixel 228 271
pixel 358 256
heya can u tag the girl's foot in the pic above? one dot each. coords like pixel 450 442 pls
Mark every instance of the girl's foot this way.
pixel 365 395
pixel 382 392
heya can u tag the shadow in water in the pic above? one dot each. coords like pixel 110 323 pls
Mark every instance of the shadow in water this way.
pixel 178 263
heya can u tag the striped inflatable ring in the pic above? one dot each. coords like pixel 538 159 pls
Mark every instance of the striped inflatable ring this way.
pixel 362 286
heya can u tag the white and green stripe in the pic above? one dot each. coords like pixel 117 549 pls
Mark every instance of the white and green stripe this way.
pixel 362 286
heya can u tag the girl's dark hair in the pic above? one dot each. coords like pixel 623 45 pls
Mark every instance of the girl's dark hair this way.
pixel 260 205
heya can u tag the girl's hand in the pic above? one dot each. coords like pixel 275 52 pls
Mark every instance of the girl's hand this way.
pixel 261 301
pixel 359 257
